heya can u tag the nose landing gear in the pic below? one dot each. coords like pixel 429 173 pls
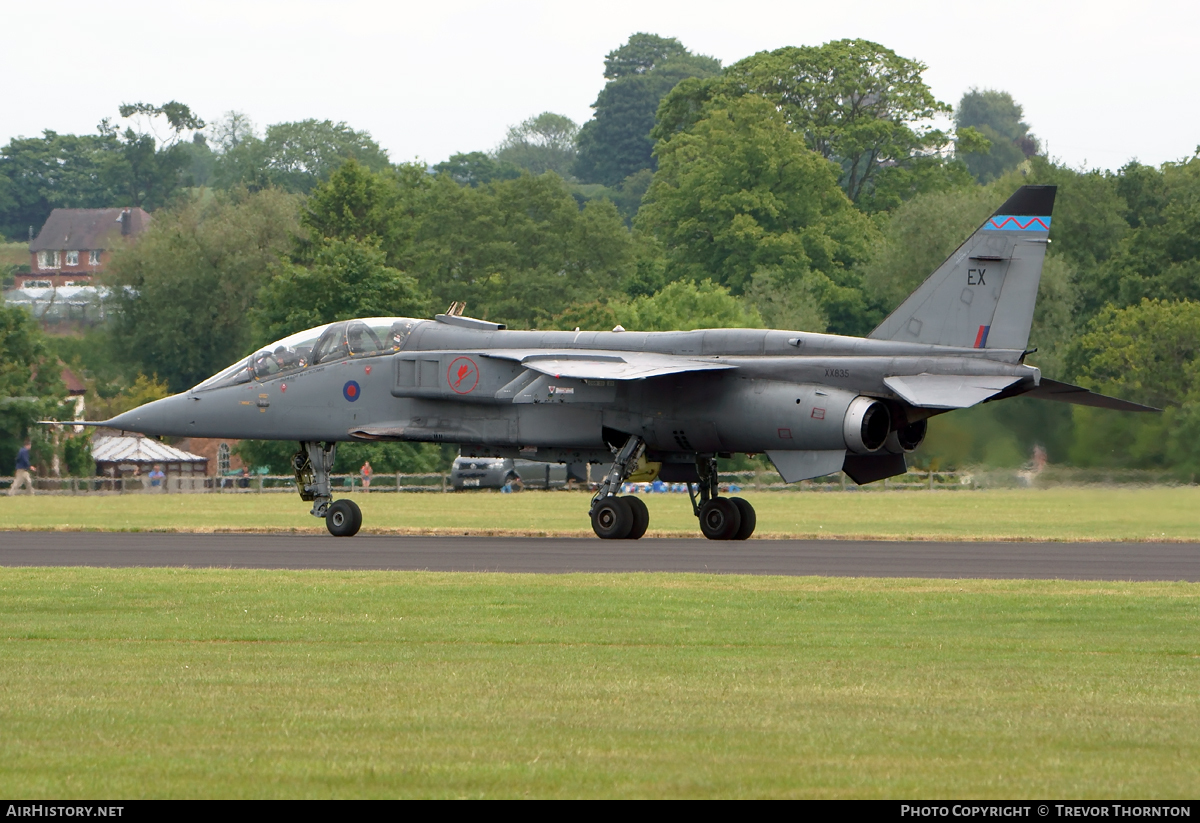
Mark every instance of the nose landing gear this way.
pixel 312 465
pixel 344 518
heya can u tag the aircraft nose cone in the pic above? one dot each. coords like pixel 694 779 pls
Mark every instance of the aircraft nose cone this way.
pixel 160 417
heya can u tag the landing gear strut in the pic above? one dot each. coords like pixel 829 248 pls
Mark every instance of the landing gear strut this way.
pixel 620 518
pixel 312 465
pixel 721 518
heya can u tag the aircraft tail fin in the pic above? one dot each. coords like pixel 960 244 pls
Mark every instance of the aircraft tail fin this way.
pixel 983 295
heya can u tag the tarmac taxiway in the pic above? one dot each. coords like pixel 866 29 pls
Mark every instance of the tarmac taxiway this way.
pixel 553 555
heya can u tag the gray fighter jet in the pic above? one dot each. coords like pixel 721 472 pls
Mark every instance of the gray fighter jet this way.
pixel 665 402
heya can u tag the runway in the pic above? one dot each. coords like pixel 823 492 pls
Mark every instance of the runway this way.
pixel 835 558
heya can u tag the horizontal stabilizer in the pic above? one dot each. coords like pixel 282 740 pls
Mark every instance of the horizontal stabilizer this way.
pixel 605 365
pixel 947 391
pixel 1066 393
pixel 794 466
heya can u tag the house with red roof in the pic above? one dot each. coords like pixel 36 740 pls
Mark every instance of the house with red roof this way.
pixel 74 245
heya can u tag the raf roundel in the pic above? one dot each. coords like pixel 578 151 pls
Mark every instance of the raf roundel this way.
pixel 351 390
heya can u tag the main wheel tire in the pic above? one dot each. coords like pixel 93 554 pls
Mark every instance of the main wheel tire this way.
pixel 343 518
pixel 357 516
pixel 749 518
pixel 612 519
pixel 641 517
pixel 720 519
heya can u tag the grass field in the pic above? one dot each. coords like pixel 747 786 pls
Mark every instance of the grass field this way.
pixel 13 254
pixel 217 683
pixel 1081 513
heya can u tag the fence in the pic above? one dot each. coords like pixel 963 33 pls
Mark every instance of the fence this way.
pixel 254 484
pixel 914 480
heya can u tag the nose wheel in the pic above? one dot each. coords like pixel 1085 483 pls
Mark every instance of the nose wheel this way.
pixel 312 465
pixel 343 518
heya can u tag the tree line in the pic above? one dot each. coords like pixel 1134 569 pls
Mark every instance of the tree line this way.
pixel 807 188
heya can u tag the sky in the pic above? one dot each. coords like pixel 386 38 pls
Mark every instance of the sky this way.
pixel 1101 82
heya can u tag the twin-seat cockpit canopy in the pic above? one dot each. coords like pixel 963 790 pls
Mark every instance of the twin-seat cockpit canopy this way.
pixel 369 337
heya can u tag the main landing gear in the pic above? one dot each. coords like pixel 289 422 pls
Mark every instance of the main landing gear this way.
pixel 721 518
pixel 620 518
pixel 313 464
pixel 626 518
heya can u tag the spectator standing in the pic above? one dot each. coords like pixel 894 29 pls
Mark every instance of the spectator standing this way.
pixel 366 472
pixel 156 476
pixel 21 476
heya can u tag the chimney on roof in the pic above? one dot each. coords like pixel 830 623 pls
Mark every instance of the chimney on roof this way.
pixel 126 218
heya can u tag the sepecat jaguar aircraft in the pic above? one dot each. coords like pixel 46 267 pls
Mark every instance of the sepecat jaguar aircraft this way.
pixel 648 403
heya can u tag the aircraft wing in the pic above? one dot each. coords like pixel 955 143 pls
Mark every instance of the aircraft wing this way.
pixel 606 365
pixel 947 391
pixel 1066 393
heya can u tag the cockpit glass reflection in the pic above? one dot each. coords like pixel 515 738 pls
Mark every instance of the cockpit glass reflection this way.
pixel 369 337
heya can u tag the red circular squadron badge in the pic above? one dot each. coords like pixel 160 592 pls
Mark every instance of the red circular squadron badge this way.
pixel 463 375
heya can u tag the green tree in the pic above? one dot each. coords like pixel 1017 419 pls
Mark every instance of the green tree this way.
pixel 296 156
pixel 355 203
pixel 918 235
pixel 687 305
pixel 38 174
pixel 741 193
pixel 516 251
pixel 1159 257
pixel 232 130
pixel 901 182
pixel 140 391
pixel 1090 212
pixel 540 144
pixel 150 163
pixel 346 279
pixel 677 306
pixel 642 54
pixel 787 303
pixel 476 168
pixel 30 386
pixel 181 294
pixel 997 117
pixel 616 142
pixel 200 161
pixel 855 102
pixel 1148 353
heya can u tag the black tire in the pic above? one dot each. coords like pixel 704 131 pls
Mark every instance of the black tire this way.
pixel 641 517
pixel 343 518
pixel 720 519
pixel 357 516
pixel 749 518
pixel 612 519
